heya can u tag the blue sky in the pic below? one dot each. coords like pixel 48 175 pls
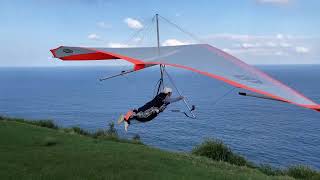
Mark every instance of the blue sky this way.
pixel 256 31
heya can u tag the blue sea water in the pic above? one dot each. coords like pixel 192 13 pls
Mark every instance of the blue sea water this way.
pixel 264 131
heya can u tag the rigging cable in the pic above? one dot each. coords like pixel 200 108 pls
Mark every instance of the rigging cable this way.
pixel 184 31
pixel 159 85
pixel 199 40
pixel 137 33
pixel 184 99
pixel 224 95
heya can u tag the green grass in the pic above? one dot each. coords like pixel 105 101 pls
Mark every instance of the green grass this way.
pixel 28 151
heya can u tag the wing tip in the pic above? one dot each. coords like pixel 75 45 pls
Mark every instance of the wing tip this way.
pixel 314 107
pixel 53 51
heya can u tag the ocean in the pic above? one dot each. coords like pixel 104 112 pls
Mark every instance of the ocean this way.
pixel 263 131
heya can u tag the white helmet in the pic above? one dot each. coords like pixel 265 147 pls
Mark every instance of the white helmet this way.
pixel 167 90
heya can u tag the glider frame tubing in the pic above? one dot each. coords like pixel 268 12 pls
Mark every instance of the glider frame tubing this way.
pixel 192 108
pixel 162 72
pixel 259 96
pixel 113 76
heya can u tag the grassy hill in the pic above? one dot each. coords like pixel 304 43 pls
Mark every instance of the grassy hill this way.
pixel 32 152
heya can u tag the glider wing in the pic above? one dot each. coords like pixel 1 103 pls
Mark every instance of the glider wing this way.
pixel 200 58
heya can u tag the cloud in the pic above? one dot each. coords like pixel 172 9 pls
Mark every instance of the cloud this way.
pixel 173 42
pixel 94 37
pixel 302 50
pixel 250 45
pixel 104 25
pixel 117 45
pixel 133 23
pixel 281 2
pixel 265 46
pixel 285 44
pixel 280 36
pixel 227 36
pixel 247 37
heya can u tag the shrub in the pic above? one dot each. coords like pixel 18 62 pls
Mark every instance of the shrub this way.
pixel 50 141
pixel 237 160
pixel 110 134
pixel 301 172
pixel 269 170
pixel 136 137
pixel 99 133
pixel 45 123
pixel 68 130
pixel 216 150
pixel 41 123
pixel 111 131
pixel 80 131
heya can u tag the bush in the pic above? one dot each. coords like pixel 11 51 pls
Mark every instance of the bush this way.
pixel 112 130
pixel 99 133
pixel 67 130
pixel 237 160
pixel 45 123
pixel 41 123
pixel 80 131
pixel 110 134
pixel 50 141
pixel 301 172
pixel 216 150
pixel 270 171
pixel 136 137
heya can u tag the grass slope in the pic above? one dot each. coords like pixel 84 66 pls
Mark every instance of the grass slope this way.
pixel 26 154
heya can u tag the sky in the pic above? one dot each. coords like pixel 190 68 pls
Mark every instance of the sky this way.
pixel 256 31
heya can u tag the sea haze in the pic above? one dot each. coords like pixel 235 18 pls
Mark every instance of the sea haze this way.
pixel 264 131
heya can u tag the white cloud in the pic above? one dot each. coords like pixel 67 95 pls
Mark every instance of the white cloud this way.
pixel 271 44
pixel 227 36
pixel 274 1
pixel 94 37
pixel 173 42
pixel 117 45
pixel 281 53
pixel 285 44
pixel 133 23
pixel 280 36
pixel 250 45
pixel 268 45
pixel 278 48
pixel 302 50
pixel 248 38
pixel 137 39
pixel 104 25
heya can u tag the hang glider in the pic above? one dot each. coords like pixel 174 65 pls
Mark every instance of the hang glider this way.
pixel 200 58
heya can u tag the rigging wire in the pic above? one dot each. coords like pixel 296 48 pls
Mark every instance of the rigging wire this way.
pixel 137 32
pixel 183 30
pixel 199 40
pixel 145 35
pixel 160 83
pixel 223 96
pixel 184 99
